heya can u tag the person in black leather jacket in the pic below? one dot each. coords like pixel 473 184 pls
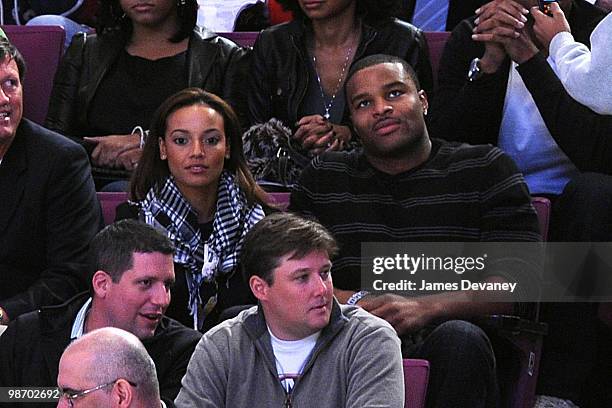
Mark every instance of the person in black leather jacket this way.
pixel 298 68
pixel 110 83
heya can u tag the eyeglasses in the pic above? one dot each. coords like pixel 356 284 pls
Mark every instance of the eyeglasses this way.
pixel 71 396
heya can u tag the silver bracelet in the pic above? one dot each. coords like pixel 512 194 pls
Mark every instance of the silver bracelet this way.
pixel 356 297
pixel 143 135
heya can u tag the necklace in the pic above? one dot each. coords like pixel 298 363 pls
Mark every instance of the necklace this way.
pixel 328 105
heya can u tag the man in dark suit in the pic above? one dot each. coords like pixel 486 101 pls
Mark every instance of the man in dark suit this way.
pixel 48 206
pixel 130 289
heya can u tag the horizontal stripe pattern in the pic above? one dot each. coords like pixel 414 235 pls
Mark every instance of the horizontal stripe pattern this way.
pixel 462 193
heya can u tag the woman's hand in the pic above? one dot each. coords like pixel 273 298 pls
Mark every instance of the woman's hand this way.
pixel 317 134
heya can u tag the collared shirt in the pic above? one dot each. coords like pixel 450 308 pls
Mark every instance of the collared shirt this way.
pixel 78 327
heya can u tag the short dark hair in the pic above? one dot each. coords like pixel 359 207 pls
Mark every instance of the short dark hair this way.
pixel 372 11
pixel 111 17
pixel 112 249
pixel 278 235
pixel 376 59
pixel 8 50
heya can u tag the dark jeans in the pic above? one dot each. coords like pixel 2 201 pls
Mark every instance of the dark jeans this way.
pixel 462 365
pixel 582 213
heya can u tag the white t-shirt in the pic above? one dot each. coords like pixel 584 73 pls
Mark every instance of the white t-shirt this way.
pixel 524 136
pixel 291 356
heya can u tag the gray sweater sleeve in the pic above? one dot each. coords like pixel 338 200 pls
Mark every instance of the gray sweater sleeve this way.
pixel 375 372
pixel 204 384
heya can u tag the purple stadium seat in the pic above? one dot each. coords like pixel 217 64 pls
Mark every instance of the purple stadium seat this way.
pixel 436 40
pixel 542 207
pixel 280 199
pixel 109 203
pixel 41 47
pixel 416 377
pixel 242 38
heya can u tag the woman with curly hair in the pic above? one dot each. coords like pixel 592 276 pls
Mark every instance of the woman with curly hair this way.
pixel 298 68
pixel 192 182
pixel 109 84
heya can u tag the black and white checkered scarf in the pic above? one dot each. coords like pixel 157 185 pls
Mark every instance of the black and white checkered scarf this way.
pixel 167 209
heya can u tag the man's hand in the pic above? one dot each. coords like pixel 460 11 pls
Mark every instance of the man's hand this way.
pixel 109 148
pixel 129 159
pixel 496 21
pixel 406 315
pixel 546 27
pixel 503 22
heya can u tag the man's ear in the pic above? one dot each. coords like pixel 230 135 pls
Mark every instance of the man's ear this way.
pixel 101 283
pixel 122 393
pixel 259 287
pixel 424 101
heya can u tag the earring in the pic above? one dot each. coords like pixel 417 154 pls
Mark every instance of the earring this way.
pixel 163 156
pixel 425 112
pixel 181 3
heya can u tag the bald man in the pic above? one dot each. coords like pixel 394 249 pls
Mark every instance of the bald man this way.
pixel 108 367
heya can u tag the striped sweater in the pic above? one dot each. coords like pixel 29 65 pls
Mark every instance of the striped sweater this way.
pixel 461 193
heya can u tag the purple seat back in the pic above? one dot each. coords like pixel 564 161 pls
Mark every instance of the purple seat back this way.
pixel 436 40
pixel 416 377
pixel 109 203
pixel 242 38
pixel 542 207
pixel 41 47
pixel 280 199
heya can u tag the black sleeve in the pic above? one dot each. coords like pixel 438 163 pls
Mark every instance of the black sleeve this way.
pixel 259 98
pixel 462 110
pixel 583 135
pixel 63 109
pixel 73 218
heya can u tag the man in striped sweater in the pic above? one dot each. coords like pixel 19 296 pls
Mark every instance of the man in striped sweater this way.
pixel 404 186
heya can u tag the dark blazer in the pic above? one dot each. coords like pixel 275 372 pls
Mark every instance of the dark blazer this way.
pixel 48 214
pixel 472 111
pixel 214 63
pixel 31 347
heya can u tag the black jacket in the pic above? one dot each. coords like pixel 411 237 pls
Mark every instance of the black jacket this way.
pixel 31 347
pixel 472 111
pixel 48 214
pixel 214 64
pixel 279 66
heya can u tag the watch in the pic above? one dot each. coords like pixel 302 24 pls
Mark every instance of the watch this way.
pixel 356 297
pixel 475 71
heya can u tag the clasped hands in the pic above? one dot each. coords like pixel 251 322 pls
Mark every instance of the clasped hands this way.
pixel 503 26
pixel 116 151
pixel 317 134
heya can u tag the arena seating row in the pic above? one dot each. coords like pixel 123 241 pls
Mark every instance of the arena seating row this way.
pixel 42 47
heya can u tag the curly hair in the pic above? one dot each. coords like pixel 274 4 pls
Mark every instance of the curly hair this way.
pixel 112 18
pixel 372 11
